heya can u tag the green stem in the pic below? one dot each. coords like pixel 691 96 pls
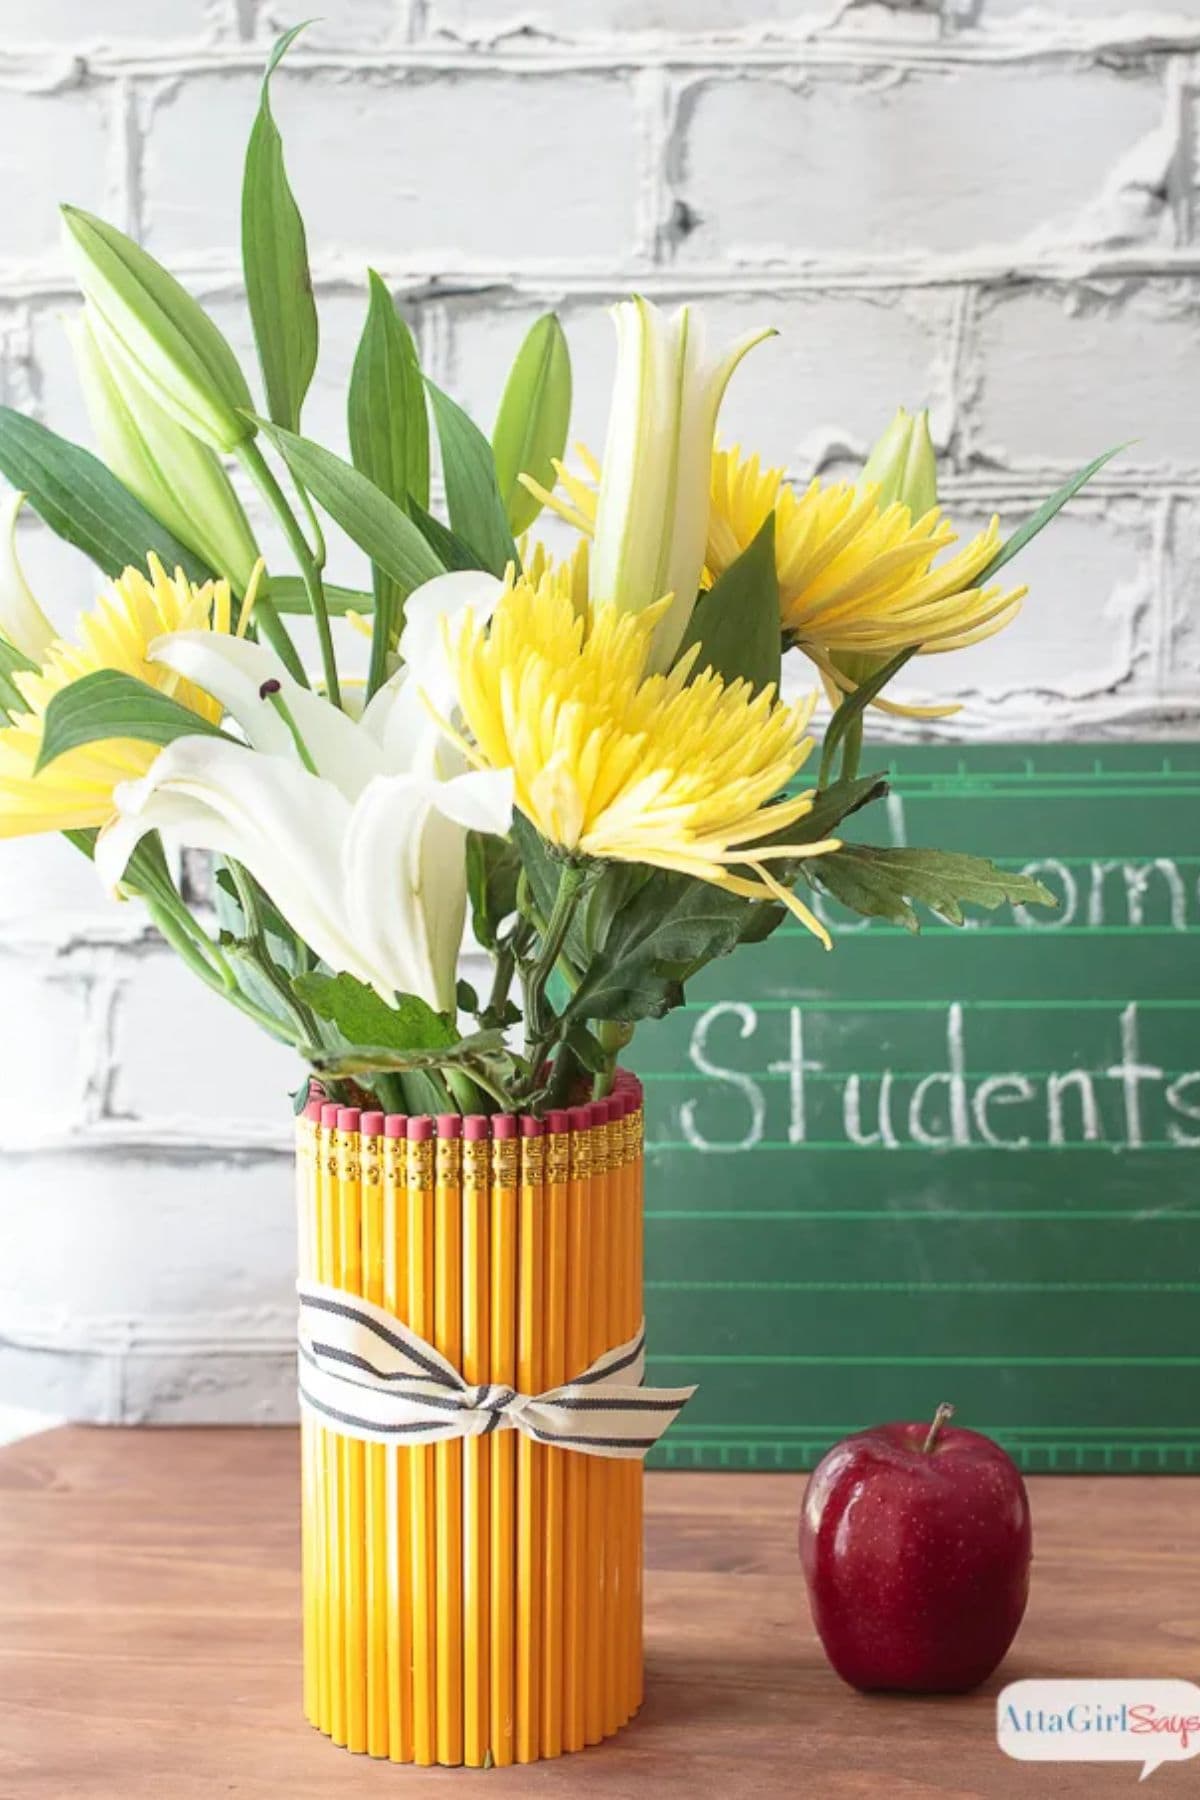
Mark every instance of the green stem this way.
pixel 186 948
pixel 258 469
pixel 272 627
pixel 302 1019
pixel 540 1028
pixel 852 748
pixel 381 635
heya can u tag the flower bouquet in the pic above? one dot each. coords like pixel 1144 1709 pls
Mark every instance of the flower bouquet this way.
pixel 587 751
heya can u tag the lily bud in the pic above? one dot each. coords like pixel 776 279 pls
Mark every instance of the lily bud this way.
pixel 175 476
pixel 652 510
pixel 903 465
pixel 23 624
pixel 177 351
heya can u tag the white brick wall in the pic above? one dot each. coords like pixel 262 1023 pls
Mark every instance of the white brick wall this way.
pixel 983 205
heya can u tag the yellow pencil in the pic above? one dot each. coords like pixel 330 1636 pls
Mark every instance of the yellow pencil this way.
pixel 637 1149
pixel 554 1372
pixel 575 1500
pixel 307 1132
pixel 352 1453
pixel 448 1456
pixel 423 1566
pixel 596 1466
pixel 477 1452
pixel 398 1458
pixel 335 1522
pixel 371 1127
pixel 617 1545
pixel 503 1369
pixel 530 1456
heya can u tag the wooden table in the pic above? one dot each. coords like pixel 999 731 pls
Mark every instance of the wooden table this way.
pixel 149 1640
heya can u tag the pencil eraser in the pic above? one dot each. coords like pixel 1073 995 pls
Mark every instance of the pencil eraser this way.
pixel 558 1121
pixel 420 1128
pixel 395 1125
pixel 329 1115
pixel 504 1125
pixel 348 1118
pixel 372 1124
pixel 475 1127
pixel 531 1127
pixel 579 1118
pixel 449 1125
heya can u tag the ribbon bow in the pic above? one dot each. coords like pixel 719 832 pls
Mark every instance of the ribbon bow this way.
pixel 366 1375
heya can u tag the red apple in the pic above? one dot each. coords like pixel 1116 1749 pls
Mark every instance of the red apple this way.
pixel 915 1541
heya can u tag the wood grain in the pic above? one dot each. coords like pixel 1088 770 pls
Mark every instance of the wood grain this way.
pixel 149 1639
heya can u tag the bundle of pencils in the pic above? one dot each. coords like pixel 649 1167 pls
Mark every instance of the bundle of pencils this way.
pixel 475 1601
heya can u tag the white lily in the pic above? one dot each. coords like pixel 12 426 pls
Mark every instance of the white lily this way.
pixel 363 853
pixel 22 621
pixel 652 510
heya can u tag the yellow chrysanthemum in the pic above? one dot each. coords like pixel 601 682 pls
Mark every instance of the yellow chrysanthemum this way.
pixel 856 580
pixel 611 763
pixel 76 791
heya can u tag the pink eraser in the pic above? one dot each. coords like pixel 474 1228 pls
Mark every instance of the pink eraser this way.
pixel 449 1125
pixel 372 1124
pixel 558 1121
pixel 599 1113
pixel 420 1128
pixel 531 1127
pixel 504 1125
pixel 475 1127
pixel 313 1111
pixel 395 1125
pixel 348 1118
pixel 329 1115
pixel 579 1118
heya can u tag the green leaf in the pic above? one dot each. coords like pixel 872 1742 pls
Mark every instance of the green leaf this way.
pixel 13 661
pixel 531 425
pixel 476 510
pixel 670 929
pixel 290 595
pixel 853 707
pixel 275 260
pixel 736 623
pixel 389 440
pixel 447 546
pixel 492 870
pixel 364 1019
pixel 376 524
pixel 1046 511
pixel 110 705
pixel 83 503
pixel 881 883
pixel 387 415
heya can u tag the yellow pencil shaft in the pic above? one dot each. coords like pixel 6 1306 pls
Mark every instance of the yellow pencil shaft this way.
pixel 503 1497
pixel 530 1456
pixel 637 1143
pixel 335 1521
pixel 554 1254
pixel 477 1454
pixel 421 1317
pixel 376 1466
pixel 616 1506
pixel 397 1465
pixel 448 1457
pixel 596 1466
pixel 575 1496
pixel 306 1178
pixel 353 1456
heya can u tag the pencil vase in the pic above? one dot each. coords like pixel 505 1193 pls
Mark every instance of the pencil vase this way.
pixel 477 1600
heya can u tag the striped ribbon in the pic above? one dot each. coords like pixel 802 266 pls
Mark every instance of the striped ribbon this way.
pixel 365 1375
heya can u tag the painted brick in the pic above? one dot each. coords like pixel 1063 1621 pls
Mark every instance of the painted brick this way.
pixel 186 1056
pixel 1121 362
pixel 575 20
pixel 44 1063
pixel 345 24
pixel 117 24
pixel 483 169
pixel 54 147
pixel 840 166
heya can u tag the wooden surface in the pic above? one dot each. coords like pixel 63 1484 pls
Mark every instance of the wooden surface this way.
pixel 149 1639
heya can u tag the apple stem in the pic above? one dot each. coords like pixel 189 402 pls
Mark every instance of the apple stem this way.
pixel 942 1416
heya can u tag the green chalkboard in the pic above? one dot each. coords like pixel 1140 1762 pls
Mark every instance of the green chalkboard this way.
pixel 961 1166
